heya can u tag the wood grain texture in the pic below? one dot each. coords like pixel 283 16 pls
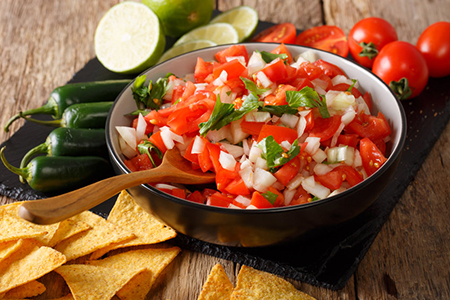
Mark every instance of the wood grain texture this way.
pixel 43 43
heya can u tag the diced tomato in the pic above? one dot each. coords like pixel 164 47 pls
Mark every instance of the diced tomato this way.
pixel 177 93
pixel 288 171
pixel 281 33
pixel 279 133
pixel 186 118
pixel 196 196
pixel 252 128
pixel 344 87
pixel 157 141
pixel 148 129
pixel 368 99
pixel 309 121
pixel 300 197
pixel 260 201
pixel 371 156
pixel 232 51
pixel 219 199
pixel 348 139
pixel 192 157
pixel 280 197
pixel 180 193
pixel 351 175
pixel 202 70
pixel 204 161
pixel 208 192
pixel 325 128
pixel 130 164
pixel 300 83
pixel 371 127
pixel 234 69
pixel 308 70
pixel 282 49
pixel 381 145
pixel 236 85
pixel 328 68
pixel 280 95
pixel 332 180
pixel 276 70
pixel 237 187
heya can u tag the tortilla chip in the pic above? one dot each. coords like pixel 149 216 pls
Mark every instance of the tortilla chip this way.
pixel 154 260
pixel 66 229
pixel 28 263
pixel 130 216
pixel 12 209
pixel 13 229
pixel 217 286
pixel 66 297
pixel 7 248
pixel 254 284
pixel 95 282
pixel 101 234
pixel 27 290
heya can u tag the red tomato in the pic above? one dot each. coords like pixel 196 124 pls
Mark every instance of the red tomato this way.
pixel 234 69
pixel 196 196
pixel 371 156
pixel 434 44
pixel 232 51
pixel 332 180
pixel 288 171
pixel 237 187
pixel 282 49
pixel 281 33
pixel 219 199
pixel 398 61
pixel 325 128
pixel 371 127
pixel 280 95
pixel 348 139
pixel 279 133
pixel 351 175
pixel 259 201
pixel 158 142
pixel 326 37
pixel 202 70
pixel 368 37
pixel 328 68
pixel 300 197
pixel 276 70
pixel 252 128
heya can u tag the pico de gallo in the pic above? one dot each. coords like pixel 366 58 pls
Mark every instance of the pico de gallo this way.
pixel 276 130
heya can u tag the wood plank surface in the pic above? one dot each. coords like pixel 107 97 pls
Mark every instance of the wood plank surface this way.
pixel 43 43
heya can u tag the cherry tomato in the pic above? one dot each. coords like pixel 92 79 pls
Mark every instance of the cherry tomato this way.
pixel 367 37
pixel 434 44
pixel 281 33
pixel 326 37
pixel 403 68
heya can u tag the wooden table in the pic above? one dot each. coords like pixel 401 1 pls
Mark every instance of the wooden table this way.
pixel 44 42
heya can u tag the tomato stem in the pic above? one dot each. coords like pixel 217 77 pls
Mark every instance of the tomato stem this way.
pixel 401 88
pixel 368 50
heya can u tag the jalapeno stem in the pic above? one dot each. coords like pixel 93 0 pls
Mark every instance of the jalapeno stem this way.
pixel 22 172
pixel 55 123
pixel 48 108
pixel 42 148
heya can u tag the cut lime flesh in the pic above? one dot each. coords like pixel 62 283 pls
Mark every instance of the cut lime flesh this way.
pixel 219 33
pixel 185 47
pixel 243 18
pixel 129 38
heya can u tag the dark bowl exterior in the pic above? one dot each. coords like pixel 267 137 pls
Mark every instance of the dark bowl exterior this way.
pixel 264 227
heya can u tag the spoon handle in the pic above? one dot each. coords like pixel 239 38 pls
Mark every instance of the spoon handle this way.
pixel 61 207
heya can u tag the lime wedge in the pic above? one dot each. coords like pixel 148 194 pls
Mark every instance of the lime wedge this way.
pixel 243 18
pixel 219 33
pixel 129 38
pixel 185 47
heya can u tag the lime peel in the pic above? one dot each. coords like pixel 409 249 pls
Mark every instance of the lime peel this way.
pixel 219 33
pixel 243 18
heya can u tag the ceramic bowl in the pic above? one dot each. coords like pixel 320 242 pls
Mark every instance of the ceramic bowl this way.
pixel 255 228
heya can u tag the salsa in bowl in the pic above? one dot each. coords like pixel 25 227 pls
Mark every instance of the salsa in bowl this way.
pixel 298 139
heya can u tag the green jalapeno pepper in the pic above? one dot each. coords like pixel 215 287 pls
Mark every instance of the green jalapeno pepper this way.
pixel 73 93
pixel 60 173
pixel 81 115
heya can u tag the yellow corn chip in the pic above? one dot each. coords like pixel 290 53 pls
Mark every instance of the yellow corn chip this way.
pixel 66 297
pixel 27 290
pixel 101 234
pixel 66 229
pixel 28 263
pixel 95 282
pixel 13 229
pixel 7 248
pixel 217 286
pixel 130 216
pixel 254 284
pixel 12 210
pixel 154 260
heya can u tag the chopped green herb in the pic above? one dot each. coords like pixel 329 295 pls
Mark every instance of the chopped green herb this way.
pixel 150 95
pixel 274 154
pixel 268 56
pixel 146 148
pixel 307 97
pixel 279 110
pixel 351 87
pixel 271 197
pixel 251 86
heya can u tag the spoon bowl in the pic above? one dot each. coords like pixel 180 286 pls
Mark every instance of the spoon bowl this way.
pixel 174 168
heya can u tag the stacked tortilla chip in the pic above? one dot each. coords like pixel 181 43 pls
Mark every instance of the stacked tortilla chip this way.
pixel 74 249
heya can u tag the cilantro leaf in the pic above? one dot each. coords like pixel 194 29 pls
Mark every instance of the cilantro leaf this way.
pixel 274 154
pixel 307 97
pixel 149 95
pixel 351 87
pixel 268 56
pixel 279 110
pixel 146 147
pixel 251 86
pixel 271 197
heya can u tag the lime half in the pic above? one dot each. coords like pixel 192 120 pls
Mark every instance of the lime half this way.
pixel 243 18
pixel 219 33
pixel 186 47
pixel 129 38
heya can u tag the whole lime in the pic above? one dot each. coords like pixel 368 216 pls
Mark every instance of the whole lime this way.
pixel 179 16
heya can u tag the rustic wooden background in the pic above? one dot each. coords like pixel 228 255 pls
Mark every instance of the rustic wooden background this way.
pixel 44 42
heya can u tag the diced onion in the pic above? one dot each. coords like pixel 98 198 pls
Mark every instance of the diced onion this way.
pixel 221 79
pixel 342 101
pixel 338 191
pixel 140 128
pixel 261 163
pixel 237 135
pixel 322 169
pixel 320 83
pixel 251 207
pixel 198 146
pixel 216 136
pixel 128 134
pixel 348 116
pixel 295 182
pixel 357 160
pixel 336 134
pixel 258 116
pixel 313 144
pixel 309 55
pixel 169 138
pixel 265 82
pixel 243 200
pixel 126 149
pixel 165 186
pixel 341 79
pixel 315 188
pixel 235 150
pixel 288 196
pixel 337 154
pixel 254 153
pixel 246 174
pixel 263 180
pixel 240 58
pixel 289 120
pixel 319 156
pixel 227 161
pixel 255 63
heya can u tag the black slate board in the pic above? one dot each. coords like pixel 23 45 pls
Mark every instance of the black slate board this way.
pixel 327 258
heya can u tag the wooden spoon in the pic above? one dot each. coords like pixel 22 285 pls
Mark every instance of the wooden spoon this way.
pixel 174 168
